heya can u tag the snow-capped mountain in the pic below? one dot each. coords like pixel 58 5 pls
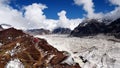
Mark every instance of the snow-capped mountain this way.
pixel 94 27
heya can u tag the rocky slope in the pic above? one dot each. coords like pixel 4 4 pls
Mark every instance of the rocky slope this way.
pixel 20 50
pixel 94 27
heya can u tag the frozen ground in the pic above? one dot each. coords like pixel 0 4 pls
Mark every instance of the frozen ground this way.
pixel 95 52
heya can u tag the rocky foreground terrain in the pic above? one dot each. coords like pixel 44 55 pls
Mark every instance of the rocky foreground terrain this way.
pixel 20 50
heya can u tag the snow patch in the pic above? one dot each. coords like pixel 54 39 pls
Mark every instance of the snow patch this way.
pixel 15 63
pixel 14 50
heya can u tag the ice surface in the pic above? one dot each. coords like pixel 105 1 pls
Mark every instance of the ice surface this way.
pixel 98 51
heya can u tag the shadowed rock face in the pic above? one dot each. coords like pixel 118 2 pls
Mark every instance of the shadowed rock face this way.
pixel 114 28
pixel 32 52
pixel 1 28
pixel 61 31
pixel 38 31
pixel 94 27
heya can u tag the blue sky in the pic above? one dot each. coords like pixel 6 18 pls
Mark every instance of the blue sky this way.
pixel 55 6
pixel 33 14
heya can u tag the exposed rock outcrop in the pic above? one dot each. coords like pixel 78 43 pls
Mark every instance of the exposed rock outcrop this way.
pixel 32 52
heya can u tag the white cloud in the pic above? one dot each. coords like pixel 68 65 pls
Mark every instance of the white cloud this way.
pixel 11 16
pixel 4 2
pixel 88 6
pixel 33 17
pixel 114 14
pixel 67 23
pixel 63 20
pixel 115 2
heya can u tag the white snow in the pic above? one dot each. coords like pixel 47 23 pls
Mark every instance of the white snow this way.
pixel 14 50
pixel 98 51
pixel 15 63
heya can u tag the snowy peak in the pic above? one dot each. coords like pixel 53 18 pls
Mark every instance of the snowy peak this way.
pixel 88 27
pixel 94 27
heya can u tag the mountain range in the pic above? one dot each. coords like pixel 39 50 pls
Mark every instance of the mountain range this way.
pixel 93 27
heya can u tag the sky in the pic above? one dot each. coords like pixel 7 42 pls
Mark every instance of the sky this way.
pixel 50 14
pixel 55 6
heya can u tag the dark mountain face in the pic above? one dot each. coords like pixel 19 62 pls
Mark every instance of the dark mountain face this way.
pixel 32 52
pixel 38 31
pixel 61 31
pixel 114 27
pixel 93 27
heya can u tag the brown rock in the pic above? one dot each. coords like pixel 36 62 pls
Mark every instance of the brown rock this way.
pixel 33 54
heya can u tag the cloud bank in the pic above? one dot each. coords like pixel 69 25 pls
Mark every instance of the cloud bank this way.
pixel 33 17
pixel 114 14
pixel 115 2
pixel 88 6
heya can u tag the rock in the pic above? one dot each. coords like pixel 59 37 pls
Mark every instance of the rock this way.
pixel 31 53
pixel 9 35
pixel 1 28
pixel 38 31
pixel 114 28
pixel 61 31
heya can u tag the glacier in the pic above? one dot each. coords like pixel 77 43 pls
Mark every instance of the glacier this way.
pixel 89 52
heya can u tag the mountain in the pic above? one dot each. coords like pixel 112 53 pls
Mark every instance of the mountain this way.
pixel 94 27
pixel 61 31
pixel 86 28
pixel 26 51
pixel 114 28
pixel 38 31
